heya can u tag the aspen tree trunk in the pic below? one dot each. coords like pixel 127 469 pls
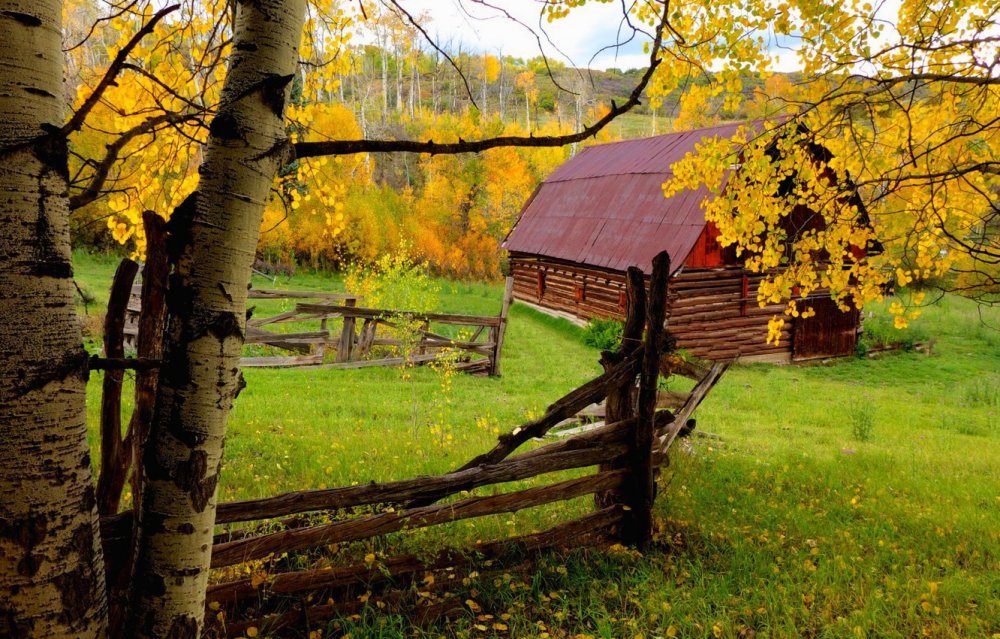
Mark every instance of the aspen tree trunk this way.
pixel 482 92
pixel 397 49
pixel 527 111
pixel 384 52
pixel 51 569
pixel 500 96
pixel 215 235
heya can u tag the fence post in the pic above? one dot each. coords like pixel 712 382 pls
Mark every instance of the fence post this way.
pixel 620 404
pixel 320 349
pixel 113 469
pixel 637 524
pixel 346 344
pixel 508 297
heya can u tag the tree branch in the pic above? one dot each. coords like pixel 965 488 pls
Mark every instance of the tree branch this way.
pixel 114 69
pixel 93 190
pixel 347 147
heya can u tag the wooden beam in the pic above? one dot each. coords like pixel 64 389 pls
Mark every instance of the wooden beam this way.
pixel 549 460
pixel 584 530
pixel 377 313
pixel 698 393
pixel 565 407
pixel 115 460
pixel 244 550
pixel 501 330
pixel 271 294
pixel 637 526
pixel 620 405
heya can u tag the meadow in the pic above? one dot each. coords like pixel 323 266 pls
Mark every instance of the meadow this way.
pixel 851 498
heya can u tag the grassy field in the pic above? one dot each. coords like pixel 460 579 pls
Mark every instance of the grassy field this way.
pixel 856 498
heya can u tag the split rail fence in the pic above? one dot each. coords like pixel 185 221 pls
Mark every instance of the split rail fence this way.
pixel 367 336
pixel 624 453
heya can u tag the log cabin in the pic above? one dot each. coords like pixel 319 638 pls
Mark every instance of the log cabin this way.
pixel 604 210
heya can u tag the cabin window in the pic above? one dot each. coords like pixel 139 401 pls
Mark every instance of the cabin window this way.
pixel 581 292
pixel 540 284
pixel 622 301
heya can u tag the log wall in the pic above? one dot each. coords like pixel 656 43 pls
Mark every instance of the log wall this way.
pixel 712 312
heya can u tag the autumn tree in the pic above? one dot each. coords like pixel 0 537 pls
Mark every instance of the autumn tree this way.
pixel 891 139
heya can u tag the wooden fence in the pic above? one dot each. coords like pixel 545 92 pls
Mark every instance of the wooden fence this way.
pixel 367 336
pixel 624 453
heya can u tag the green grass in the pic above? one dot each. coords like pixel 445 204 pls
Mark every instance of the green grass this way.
pixel 856 498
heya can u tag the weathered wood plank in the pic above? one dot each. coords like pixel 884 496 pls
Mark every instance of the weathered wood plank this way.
pixel 548 459
pixel 565 407
pixel 345 347
pixel 698 393
pixel 387 361
pixel 584 530
pixel 620 405
pixel 115 457
pixel 360 312
pixel 673 364
pixel 269 294
pixel 236 552
pixel 280 362
pixel 257 336
pixel 367 338
pixel 151 327
pixel 501 330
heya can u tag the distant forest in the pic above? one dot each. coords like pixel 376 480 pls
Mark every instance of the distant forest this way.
pixel 450 212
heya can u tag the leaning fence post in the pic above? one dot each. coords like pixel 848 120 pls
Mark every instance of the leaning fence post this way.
pixel 508 297
pixel 637 525
pixel 112 477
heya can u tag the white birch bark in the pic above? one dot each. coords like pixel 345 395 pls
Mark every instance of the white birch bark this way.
pixel 51 570
pixel 214 237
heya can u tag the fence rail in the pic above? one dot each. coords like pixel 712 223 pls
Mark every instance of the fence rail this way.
pixel 376 336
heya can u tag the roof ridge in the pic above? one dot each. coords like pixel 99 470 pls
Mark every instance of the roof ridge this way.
pixel 678 133
pixel 551 180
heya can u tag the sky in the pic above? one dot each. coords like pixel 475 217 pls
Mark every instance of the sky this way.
pixel 574 39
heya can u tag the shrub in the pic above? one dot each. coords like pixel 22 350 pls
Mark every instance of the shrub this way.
pixel 394 281
pixel 603 334
pixel 862 417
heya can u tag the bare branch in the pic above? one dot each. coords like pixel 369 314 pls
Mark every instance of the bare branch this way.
pixel 114 69
pixel 347 147
pixel 419 27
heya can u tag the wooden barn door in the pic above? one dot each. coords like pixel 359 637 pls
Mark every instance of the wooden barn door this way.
pixel 829 333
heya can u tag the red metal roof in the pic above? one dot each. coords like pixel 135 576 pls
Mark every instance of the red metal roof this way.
pixel 605 206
